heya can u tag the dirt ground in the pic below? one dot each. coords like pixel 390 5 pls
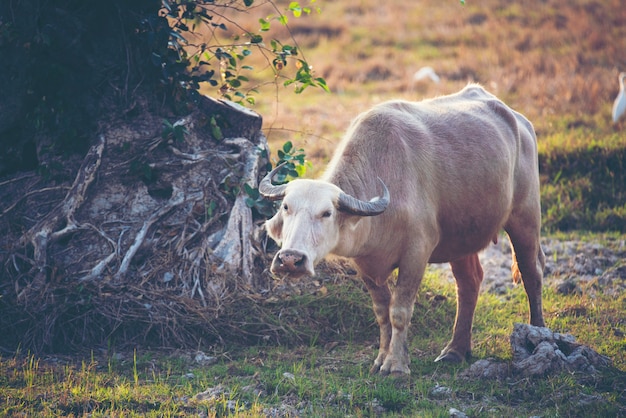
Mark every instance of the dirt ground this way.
pixel 571 265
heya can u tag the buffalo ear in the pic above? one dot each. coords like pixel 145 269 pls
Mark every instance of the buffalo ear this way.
pixel 274 228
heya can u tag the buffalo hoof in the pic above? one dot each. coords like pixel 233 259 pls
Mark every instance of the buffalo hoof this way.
pixel 396 374
pixel 375 369
pixel 395 371
pixel 450 357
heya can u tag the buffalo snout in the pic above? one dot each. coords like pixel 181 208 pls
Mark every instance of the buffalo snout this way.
pixel 291 262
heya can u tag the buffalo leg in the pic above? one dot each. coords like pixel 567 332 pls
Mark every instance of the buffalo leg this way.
pixel 528 262
pixel 468 274
pixel 400 312
pixel 381 298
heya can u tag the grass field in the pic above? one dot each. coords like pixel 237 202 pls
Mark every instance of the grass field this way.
pixel 556 62
pixel 326 374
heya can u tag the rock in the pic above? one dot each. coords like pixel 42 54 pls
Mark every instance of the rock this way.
pixel 213 393
pixel 486 369
pixel 455 413
pixel 538 351
pixel 440 392
pixel 203 359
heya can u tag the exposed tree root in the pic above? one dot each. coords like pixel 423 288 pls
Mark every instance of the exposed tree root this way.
pixel 235 248
pixel 157 214
pixel 46 230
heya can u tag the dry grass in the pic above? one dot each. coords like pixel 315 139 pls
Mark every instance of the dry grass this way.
pixel 550 60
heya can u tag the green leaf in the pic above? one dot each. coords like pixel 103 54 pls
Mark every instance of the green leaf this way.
pixel 265 24
pixel 301 170
pixel 179 133
pixel 216 131
pixel 322 83
pixel 211 208
pixel 168 128
pixel 287 146
pixel 251 191
pixel 248 3
pixel 295 8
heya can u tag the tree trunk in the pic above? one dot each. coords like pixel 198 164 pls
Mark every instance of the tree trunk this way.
pixel 162 209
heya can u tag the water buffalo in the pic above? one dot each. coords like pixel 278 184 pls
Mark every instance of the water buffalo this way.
pixel 449 173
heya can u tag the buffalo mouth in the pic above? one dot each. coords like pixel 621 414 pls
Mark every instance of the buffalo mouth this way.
pixel 291 263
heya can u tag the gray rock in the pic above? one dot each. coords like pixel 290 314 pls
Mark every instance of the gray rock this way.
pixel 486 369
pixel 204 360
pixel 455 413
pixel 440 392
pixel 538 351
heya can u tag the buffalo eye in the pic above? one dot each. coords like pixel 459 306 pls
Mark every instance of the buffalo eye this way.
pixel 285 207
pixel 326 214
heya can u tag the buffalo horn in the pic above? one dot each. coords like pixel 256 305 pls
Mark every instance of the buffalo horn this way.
pixel 354 206
pixel 270 191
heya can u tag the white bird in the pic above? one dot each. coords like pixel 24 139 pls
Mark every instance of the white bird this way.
pixel 424 73
pixel 619 106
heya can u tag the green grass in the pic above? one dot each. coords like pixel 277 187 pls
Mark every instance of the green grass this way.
pixel 583 180
pixel 326 372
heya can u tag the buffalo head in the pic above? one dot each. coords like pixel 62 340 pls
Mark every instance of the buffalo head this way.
pixel 310 220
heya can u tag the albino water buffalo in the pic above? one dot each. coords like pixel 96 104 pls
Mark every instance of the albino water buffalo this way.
pixel 449 173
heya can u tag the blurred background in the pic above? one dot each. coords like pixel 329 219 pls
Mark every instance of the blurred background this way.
pixel 555 62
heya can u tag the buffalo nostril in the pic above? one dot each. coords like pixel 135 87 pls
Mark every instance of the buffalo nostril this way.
pixel 292 259
pixel 292 263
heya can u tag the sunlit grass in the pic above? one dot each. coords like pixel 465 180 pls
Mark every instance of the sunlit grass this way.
pixel 329 374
